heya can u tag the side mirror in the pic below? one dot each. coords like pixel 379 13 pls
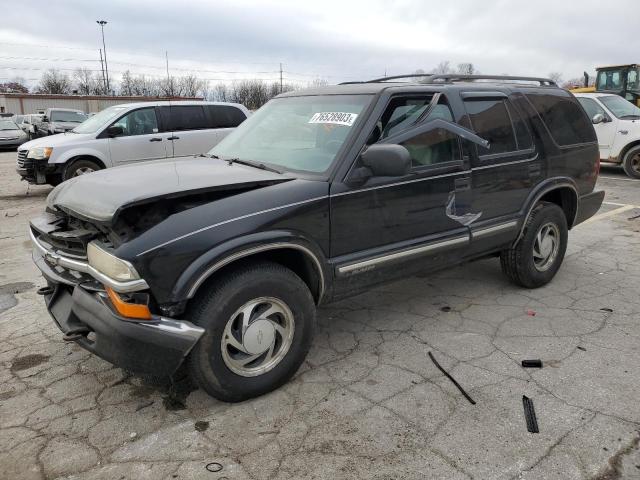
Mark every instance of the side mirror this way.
pixel 598 118
pixel 45 119
pixel 115 131
pixel 387 160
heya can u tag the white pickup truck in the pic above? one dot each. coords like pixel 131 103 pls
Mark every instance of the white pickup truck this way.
pixel 617 124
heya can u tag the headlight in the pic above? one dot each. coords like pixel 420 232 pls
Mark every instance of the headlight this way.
pixel 39 153
pixel 110 265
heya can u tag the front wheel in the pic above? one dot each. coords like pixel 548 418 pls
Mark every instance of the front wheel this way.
pixel 80 167
pixel 259 322
pixel 631 162
pixel 537 256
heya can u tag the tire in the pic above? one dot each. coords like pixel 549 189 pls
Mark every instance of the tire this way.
pixel 80 167
pixel 631 162
pixel 527 264
pixel 214 363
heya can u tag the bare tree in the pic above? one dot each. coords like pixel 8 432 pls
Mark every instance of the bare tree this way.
pixel 52 81
pixel 127 84
pixel 221 92
pixel 556 77
pixel 190 85
pixel 86 82
pixel 15 85
pixel 316 82
pixel 467 69
pixel 442 68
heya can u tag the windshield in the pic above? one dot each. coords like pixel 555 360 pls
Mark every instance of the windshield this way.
pixel 295 133
pixel 8 125
pixel 18 118
pixel 99 120
pixel 620 107
pixel 67 116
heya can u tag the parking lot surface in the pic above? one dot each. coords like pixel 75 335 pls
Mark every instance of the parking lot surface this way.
pixel 368 402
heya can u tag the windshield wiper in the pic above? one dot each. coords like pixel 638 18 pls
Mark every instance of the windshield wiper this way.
pixel 630 116
pixel 259 165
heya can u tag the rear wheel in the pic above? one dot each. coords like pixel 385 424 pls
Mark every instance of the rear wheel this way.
pixel 80 167
pixel 631 162
pixel 259 322
pixel 537 256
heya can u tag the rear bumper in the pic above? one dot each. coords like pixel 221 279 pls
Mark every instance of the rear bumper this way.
pixel 158 346
pixel 588 205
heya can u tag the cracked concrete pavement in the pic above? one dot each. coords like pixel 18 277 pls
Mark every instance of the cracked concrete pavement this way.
pixel 368 402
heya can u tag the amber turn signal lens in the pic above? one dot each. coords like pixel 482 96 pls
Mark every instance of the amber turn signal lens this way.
pixel 129 310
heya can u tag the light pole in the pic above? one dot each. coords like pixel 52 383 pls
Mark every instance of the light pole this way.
pixel 102 23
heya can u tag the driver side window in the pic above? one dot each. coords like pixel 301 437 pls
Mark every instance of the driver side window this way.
pixel 433 147
pixel 139 122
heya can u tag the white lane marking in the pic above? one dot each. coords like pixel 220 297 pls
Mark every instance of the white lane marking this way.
pixel 611 213
pixel 616 178
pixel 616 204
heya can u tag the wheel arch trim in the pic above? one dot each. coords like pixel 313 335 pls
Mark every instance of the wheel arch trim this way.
pixel 545 188
pixel 247 252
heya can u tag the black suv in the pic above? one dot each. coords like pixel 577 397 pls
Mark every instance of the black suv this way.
pixel 219 261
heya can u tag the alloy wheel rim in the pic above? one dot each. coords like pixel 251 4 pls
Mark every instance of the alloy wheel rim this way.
pixel 546 246
pixel 635 163
pixel 82 171
pixel 257 336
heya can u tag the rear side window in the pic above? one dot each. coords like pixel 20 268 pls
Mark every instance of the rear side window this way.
pixel 187 117
pixel 490 120
pixel 225 116
pixel 523 137
pixel 566 121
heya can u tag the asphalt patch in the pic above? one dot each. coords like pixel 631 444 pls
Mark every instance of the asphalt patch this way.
pixel 28 361
pixel 7 292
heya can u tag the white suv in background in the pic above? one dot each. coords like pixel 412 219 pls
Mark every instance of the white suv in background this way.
pixel 617 124
pixel 129 133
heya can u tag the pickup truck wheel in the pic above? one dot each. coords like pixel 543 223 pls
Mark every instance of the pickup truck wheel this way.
pixel 631 162
pixel 537 256
pixel 259 322
pixel 80 167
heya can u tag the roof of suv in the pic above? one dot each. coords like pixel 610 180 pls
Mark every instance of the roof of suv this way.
pixel 372 88
pixel 166 103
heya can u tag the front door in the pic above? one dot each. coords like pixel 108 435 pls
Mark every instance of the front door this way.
pixel 140 139
pixel 606 130
pixel 393 227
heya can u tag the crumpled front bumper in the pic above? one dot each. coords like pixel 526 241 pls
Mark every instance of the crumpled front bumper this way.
pixel 157 346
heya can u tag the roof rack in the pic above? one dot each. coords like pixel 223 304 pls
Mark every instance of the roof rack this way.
pixel 454 77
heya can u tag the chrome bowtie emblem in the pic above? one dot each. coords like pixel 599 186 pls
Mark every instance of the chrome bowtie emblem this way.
pixel 260 335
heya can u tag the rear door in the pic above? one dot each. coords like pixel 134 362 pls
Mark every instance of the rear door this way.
pixel 141 138
pixel 190 128
pixel 504 173
pixel 224 118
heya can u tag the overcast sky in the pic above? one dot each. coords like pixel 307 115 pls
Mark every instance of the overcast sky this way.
pixel 333 39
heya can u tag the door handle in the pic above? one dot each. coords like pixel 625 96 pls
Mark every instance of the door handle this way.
pixel 173 138
pixel 462 184
pixel 155 139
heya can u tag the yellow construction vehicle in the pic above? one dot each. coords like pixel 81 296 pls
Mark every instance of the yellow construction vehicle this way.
pixel 623 80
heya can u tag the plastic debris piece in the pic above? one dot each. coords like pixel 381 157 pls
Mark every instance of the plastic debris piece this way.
pixel 581 348
pixel 530 415
pixel 531 313
pixel 214 467
pixel 537 363
pixel 607 309
pixel 466 395
pixel 446 308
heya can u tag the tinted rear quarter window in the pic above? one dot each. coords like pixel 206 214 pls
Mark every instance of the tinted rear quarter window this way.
pixel 187 117
pixel 566 120
pixel 491 121
pixel 225 116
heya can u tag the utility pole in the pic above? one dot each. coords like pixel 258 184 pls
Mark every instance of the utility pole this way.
pixel 102 23
pixel 104 81
pixel 169 86
pixel 280 77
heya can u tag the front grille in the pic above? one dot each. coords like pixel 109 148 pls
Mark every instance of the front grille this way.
pixel 22 158
pixel 65 235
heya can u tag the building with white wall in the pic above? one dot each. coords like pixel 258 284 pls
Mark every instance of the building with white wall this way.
pixel 25 103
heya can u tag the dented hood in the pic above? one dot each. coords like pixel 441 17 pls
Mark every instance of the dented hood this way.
pixel 101 195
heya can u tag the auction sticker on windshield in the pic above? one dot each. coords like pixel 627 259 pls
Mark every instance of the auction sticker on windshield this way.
pixel 336 118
